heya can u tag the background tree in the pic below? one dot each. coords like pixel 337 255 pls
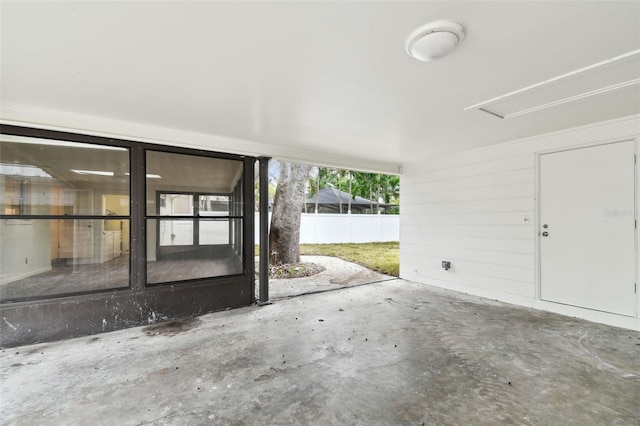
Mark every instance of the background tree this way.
pixel 350 180
pixel 365 184
pixel 284 236
pixel 391 193
pixel 373 186
pixel 319 178
pixel 340 175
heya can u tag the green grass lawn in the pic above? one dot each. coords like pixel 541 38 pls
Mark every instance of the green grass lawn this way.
pixel 381 257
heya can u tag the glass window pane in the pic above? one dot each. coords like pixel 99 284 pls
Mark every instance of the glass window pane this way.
pixel 216 252
pixel 45 257
pixel 214 205
pixel 47 177
pixel 203 241
pixel 169 173
pixel 176 205
pixel 214 231
pixel 175 233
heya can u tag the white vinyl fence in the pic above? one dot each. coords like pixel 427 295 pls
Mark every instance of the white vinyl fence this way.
pixel 325 228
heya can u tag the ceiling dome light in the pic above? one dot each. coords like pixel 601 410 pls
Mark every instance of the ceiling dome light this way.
pixel 435 40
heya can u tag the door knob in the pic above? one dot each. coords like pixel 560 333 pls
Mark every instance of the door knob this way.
pixel 545 234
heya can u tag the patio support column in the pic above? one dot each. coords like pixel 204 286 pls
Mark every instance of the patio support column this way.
pixel 264 231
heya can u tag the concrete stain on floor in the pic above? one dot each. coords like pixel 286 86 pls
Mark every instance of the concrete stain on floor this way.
pixel 388 353
pixel 172 327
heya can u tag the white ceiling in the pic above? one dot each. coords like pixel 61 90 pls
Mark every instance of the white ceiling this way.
pixel 314 81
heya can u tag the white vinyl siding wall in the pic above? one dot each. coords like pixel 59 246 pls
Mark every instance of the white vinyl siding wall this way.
pixel 469 208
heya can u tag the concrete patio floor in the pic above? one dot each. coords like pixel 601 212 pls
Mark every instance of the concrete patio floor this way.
pixel 394 352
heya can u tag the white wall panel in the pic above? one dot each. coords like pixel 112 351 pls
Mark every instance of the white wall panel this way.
pixel 496 192
pixel 477 209
pixel 475 169
pixel 502 245
pixel 472 182
pixel 455 254
pixel 515 204
pixel 412 226
pixel 491 218
pixel 470 283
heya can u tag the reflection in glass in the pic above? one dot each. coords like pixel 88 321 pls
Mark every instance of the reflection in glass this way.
pixel 45 257
pixel 215 256
pixel 43 185
pixel 41 177
pixel 214 178
pixel 213 205
pixel 194 217
pixel 175 233
pixel 214 231
pixel 176 204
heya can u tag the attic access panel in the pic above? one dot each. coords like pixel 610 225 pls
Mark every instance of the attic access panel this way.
pixel 620 74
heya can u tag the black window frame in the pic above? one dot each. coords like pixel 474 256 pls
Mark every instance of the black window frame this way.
pixel 195 218
pixel 87 140
pixel 137 280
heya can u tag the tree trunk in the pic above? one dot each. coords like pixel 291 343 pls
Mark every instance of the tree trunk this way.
pixel 284 237
pixel 304 200
pixel 371 197
pixel 377 194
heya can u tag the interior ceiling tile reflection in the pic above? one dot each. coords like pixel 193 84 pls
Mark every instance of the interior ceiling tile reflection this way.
pixel 269 79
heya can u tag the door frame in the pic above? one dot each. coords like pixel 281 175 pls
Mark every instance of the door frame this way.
pixel 538 225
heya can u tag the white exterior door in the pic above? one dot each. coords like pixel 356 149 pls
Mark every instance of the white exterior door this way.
pixel 587 227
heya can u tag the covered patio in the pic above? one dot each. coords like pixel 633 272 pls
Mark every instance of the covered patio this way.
pixel 516 147
pixel 130 133
pixel 390 353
